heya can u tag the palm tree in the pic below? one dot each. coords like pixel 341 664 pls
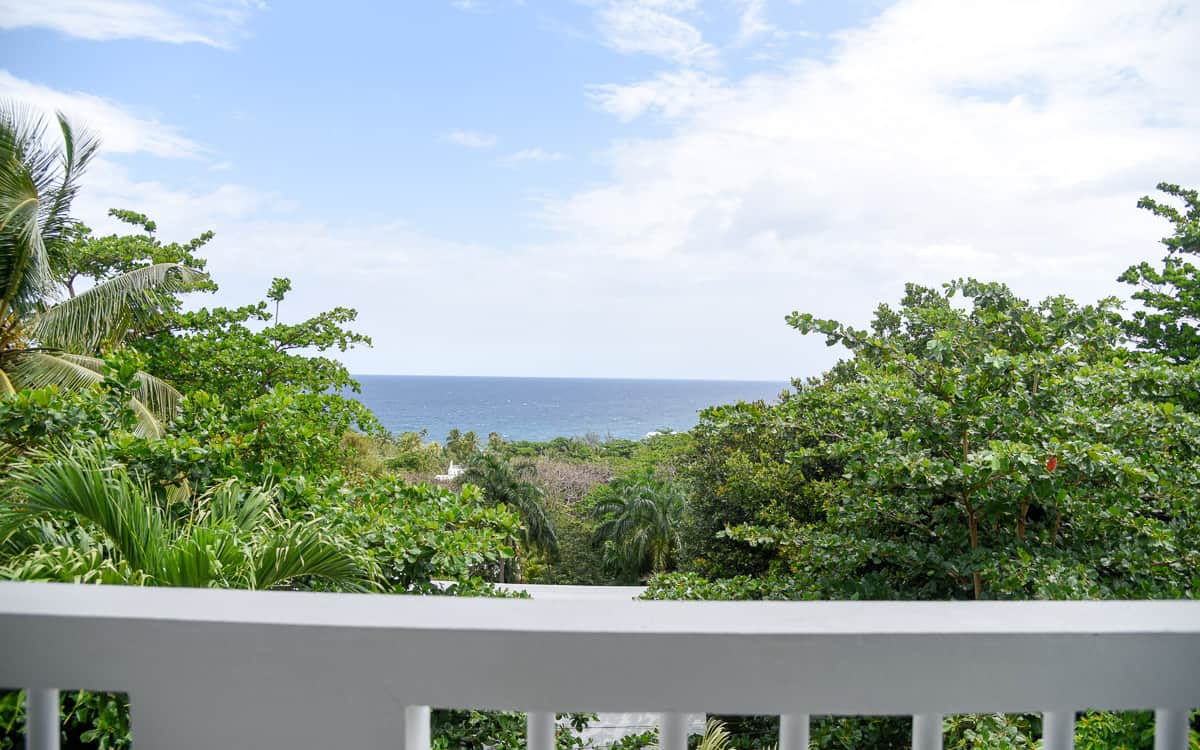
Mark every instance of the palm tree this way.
pixel 76 517
pixel 509 484
pixel 640 517
pixel 716 737
pixel 46 338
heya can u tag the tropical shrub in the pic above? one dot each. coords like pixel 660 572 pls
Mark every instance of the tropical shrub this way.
pixel 639 517
pixel 68 516
pixel 47 340
pixel 417 534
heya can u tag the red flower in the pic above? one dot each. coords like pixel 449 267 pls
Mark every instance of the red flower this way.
pixel 1052 463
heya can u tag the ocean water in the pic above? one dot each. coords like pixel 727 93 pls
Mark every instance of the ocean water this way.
pixel 545 408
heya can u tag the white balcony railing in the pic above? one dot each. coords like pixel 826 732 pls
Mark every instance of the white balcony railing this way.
pixel 209 669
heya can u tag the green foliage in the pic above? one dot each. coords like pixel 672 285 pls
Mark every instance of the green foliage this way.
pixel 227 537
pixel 415 534
pixel 741 473
pixel 695 587
pixel 509 484
pixel 639 518
pixel 95 259
pixel 283 438
pixel 975 445
pixel 497 730
pixel 244 353
pixel 99 720
pixel 1133 730
pixel 580 562
pixel 640 741
pixel 1170 321
pixel 988 732
pixel 411 454
pixel 994 450
pixel 663 452
pixel 49 418
pixel 45 341
pixel 462 446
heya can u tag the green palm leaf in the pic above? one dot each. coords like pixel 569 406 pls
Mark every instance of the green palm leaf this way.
pixel 508 484
pixel 159 396
pixel 154 401
pixel 102 316
pixel 303 550
pixel 233 539
pixel 81 485
pixel 38 181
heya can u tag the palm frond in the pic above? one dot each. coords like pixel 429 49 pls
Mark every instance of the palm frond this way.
pixel 28 173
pixel 154 402
pixel 79 484
pixel 230 502
pixel 38 369
pixel 158 395
pixel 204 557
pixel 103 315
pixel 303 550
pixel 507 484
pixel 79 147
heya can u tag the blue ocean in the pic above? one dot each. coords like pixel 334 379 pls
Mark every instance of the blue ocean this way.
pixel 545 408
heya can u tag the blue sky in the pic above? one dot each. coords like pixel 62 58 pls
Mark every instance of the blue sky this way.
pixel 623 187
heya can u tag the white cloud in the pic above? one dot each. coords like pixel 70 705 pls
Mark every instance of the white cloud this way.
pixel 753 22
pixel 672 94
pixel 944 138
pixel 121 131
pixel 470 138
pixel 654 27
pixel 537 154
pixel 110 185
pixel 213 22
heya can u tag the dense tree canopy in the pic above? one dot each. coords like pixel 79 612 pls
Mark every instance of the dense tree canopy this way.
pixel 45 339
pixel 1170 321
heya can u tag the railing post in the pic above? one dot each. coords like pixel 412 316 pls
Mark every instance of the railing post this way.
pixel 793 732
pixel 1058 730
pixel 416 728
pixel 927 732
pixel 1171 729
pixel 539 730
pixel 672 731
pixel 42 727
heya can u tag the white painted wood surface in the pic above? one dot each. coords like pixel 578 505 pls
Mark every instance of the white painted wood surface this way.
pixel 208 668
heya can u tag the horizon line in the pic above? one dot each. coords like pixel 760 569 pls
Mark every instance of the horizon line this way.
pixel 786 381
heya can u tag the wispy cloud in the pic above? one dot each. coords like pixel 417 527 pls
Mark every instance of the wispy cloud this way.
pixel 470 138
pixel 672 94
pixel 941 138
pixel 753 22
pixel 121 131
pixel 532 155
pixel 216 23
pixel 654 27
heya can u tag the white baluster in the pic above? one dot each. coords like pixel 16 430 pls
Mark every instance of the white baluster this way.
pixel 539 730
pixel 793 732
pixel 416 727
pixel 1058 730
pixel 1171 729
pixel 927 732
pixel 672 731
pixel 41 720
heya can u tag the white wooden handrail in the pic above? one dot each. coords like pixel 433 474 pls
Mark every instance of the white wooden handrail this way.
pixel 209 668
